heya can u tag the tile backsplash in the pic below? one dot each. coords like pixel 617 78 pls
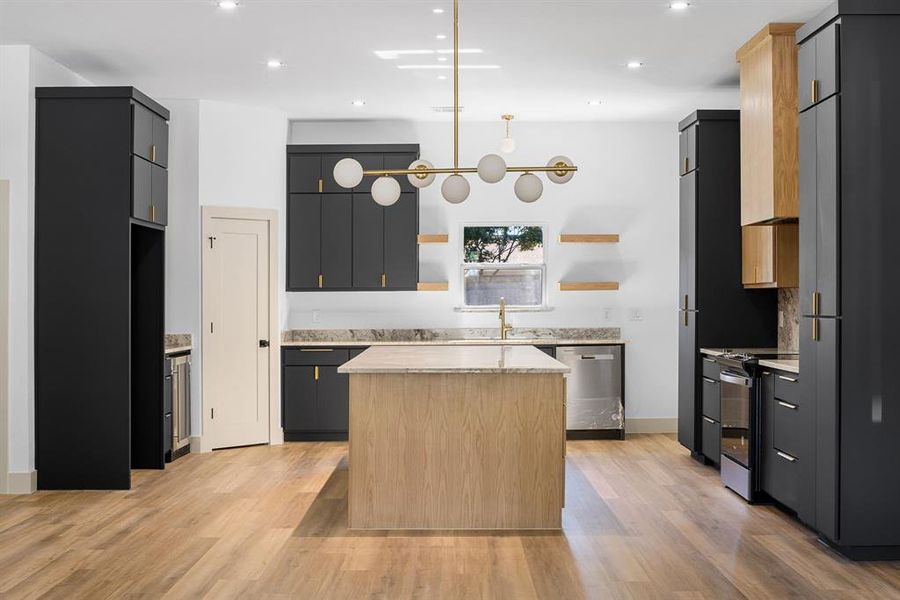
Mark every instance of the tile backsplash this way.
pixel 789 319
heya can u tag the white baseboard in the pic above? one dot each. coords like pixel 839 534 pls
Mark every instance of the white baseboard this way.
pixel 21 483
pixel 659 425
pixel 197 444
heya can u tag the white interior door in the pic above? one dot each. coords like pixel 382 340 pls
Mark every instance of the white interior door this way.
pixel 236 286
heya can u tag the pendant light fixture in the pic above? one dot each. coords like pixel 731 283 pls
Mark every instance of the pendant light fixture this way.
pixel 507 144
pixel 348 172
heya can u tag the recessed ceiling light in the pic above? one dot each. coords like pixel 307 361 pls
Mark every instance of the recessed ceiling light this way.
pixel 358 103
pixel 440 36
pixel 442 58
pixel 680 5
pixel 635 64
pixel 227 4
pixel 594 103
pixel 437 11
pixel 394 54
pixel 442 77
pixel 274 64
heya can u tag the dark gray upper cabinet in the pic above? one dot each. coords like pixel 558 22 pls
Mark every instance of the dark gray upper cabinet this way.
pixel 401 249
pixel 150 135
pixel 818 68
pixel 305 174
pixel 687 240
pixel 343 240
pixel 687 141
pixel 304 241
pixel 368 243
pixel 150 192
pixel 337 241
pixel 159 195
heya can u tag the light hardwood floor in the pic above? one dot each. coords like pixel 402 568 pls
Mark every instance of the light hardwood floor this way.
pixel 642 520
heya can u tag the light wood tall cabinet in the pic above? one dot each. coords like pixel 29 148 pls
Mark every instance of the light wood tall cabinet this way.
pixel 769 125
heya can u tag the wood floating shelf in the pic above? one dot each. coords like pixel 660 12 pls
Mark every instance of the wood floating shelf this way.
pixel 433 286
pixel 432 238
pixel 588 286
pixel 589 238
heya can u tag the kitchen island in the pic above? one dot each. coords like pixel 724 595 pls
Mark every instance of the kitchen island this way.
pixel 456 437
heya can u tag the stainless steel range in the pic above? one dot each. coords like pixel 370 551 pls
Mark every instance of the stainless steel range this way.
pixel 740 413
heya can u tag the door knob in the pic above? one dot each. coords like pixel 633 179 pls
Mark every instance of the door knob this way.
pixel 263 343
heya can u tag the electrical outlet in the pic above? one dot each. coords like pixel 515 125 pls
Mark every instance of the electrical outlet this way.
pixel 316 317
pixel 636 314
pixel 607 313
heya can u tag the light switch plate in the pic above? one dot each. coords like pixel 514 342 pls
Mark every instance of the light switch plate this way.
pixel 316 317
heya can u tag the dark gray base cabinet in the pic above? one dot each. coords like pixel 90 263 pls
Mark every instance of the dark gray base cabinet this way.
pixel 342 240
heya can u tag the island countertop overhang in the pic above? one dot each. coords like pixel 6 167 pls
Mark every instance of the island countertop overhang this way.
pixel 453 359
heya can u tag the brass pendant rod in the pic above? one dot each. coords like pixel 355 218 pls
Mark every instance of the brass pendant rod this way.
pixel 447 170
pixel 455 84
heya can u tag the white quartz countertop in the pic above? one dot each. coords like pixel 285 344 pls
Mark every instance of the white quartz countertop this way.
pixel 470 342
pixel 443 358
pixel 792 366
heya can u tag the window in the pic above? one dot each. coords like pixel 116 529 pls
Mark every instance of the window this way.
pixel 503 261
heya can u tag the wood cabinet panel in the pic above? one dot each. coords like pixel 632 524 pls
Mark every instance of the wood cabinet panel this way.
pixel 770 256
pixel 769 126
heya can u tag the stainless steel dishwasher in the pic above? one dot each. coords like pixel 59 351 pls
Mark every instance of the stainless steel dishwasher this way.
pixel 181 405
pixel 595 406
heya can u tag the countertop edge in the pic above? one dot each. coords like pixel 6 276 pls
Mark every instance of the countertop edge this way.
pixel 450 371
pixel 177 349
pixel 472 342
pixel 782 365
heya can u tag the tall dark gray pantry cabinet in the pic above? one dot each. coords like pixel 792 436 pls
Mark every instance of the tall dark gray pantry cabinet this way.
pixel 850 282
pixel 715 310
pixel 101 158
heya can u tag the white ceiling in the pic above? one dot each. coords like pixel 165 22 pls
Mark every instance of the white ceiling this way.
pixel 555 55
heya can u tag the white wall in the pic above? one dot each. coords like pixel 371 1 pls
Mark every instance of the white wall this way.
pixel 627 184
pixel 22 68
pixel 221 154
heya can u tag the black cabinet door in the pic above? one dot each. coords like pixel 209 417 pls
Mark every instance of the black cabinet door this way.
pixel 682 152
pixel 401 248
pixel 159 195
pixel 766 448
pixel 688 242
pixel 304 174
pixel 142 131
pixel 710 399
pixel 401 161
pixel 827 207
pixel 808 209
pixel 160 150
pixel 806 73
pixel 369 162
pixel 333 401
pixel 827 62
pixel 368 242
pixel 141 188
pixel 304 241
pixel 299 399
pixel 337 241
pixel 687 380
pixel 711 440
pixel 691 133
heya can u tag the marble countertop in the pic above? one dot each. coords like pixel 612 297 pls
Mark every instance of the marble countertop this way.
pixel 469 342
pixel 792 366
pixel 178 349
pixel 443 358
pixel 177 342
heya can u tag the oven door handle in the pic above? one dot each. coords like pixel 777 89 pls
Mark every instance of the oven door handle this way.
pixel 735 379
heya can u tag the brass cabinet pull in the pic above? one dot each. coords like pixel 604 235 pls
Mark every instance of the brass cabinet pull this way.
pixel 755 274
pixel 685 302
pixel 316 350
pixel 383 280
pixel 814 90
pixel 316 373
pixel 321 280
pixel 687 162
pixel 785 456
pixel 815 301
pixel 787 405
pixel 321 185
pixel 815 331
pixel 708 420
pixel 788 379
pixel 153 152
pixel 686 318
pixel 153 213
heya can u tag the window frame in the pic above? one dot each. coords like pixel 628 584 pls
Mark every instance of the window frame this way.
pixel 464 266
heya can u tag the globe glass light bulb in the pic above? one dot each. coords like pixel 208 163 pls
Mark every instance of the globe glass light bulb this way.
pixel 508 145
pixel 491 168
pixel 348 173
pixel 528 188
pixel 455 189
pixel 418 180
pixel 560 176
pixel 386 190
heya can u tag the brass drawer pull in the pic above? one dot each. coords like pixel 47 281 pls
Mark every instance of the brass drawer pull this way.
pixel 708 380
pixel 708 420
pixel 316 350
pixel 788 379
pixel 787 405
pixel 814 90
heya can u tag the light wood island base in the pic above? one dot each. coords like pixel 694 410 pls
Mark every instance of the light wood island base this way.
pixel 459 450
